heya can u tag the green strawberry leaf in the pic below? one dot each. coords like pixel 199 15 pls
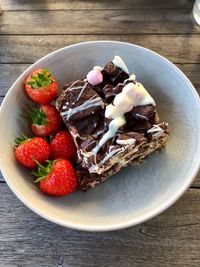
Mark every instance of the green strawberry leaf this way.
pixel 40 80
pixel 49 138
pixel 36 116
pixel 42 171
pixel 20 140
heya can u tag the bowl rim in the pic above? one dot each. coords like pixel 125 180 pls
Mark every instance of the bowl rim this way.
pixel 131 222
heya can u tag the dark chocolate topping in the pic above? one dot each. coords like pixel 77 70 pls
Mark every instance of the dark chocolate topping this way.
pixel 140 118
pixel 111 70
pixel 88 125
pixel 113 74
pixel 110 91
pixel 88 144
pixel 78 101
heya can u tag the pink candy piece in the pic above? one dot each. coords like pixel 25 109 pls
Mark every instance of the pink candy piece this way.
pixel 94 77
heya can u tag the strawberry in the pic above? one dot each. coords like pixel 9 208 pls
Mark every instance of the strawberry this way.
pixel 41 86
pixel 45 120
pixel 57 178
pixel 62 146
pixel 29 150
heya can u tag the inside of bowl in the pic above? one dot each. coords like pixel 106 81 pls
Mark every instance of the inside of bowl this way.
pixel 136 193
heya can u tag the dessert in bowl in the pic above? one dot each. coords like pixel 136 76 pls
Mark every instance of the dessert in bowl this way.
pixel 134 194
pixel 113 122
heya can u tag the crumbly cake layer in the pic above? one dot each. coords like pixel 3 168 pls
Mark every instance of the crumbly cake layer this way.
pixel 87 180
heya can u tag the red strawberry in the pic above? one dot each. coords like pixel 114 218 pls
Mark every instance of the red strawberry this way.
pixel 27 151
pixel 45 120
pixel 62 146
pixel 57 178
pixel 41 86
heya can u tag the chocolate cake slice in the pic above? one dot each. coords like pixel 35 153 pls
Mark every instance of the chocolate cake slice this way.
pixel 113 121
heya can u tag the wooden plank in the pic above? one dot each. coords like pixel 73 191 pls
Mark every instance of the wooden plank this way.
pixel 177 48
pixel 93 21
pixel 9 73
pixel 170 239
pixel 196 183
pixel 88 4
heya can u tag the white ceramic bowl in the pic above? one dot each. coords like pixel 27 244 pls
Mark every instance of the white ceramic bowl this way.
pixel 137 193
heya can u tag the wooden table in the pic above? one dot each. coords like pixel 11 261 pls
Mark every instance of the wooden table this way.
pixel 30 30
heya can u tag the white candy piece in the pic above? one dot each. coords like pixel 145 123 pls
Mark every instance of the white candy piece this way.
pixel 130 141
pixel 129 90
pixel 142 97
pixel 117 61
pixel 122 101
pixel 97 68
pixel 110 110
pixel 131 95
pixel 131 78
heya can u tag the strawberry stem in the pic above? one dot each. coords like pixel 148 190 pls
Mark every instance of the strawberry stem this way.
pixel 42 171
pixel 20 140
pixel 36 116
pixel 49 138
pixel 40 80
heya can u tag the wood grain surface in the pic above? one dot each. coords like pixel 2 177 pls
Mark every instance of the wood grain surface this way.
pixel 177 48
pixel 92 21
pixel 88 4
pixel 31 29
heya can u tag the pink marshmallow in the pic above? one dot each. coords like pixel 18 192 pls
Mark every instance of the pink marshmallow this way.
pixel 94 77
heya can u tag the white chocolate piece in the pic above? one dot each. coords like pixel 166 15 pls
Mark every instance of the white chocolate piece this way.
pixel 142 97
pixel 98 68
pixel 117 61
pixel 122 101
pixel 130 141
pixel 110 110
pixel 131 78
pixel 131 95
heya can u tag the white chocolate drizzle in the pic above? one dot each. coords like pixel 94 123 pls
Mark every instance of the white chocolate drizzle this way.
pixel 92 102
pixel 131 95
pixel 111 152
pixel 141 116
pixel 114 125
pixel 72 87
pixel 155 130
pixel 95 100
pixel 82 90
pixel 117 61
